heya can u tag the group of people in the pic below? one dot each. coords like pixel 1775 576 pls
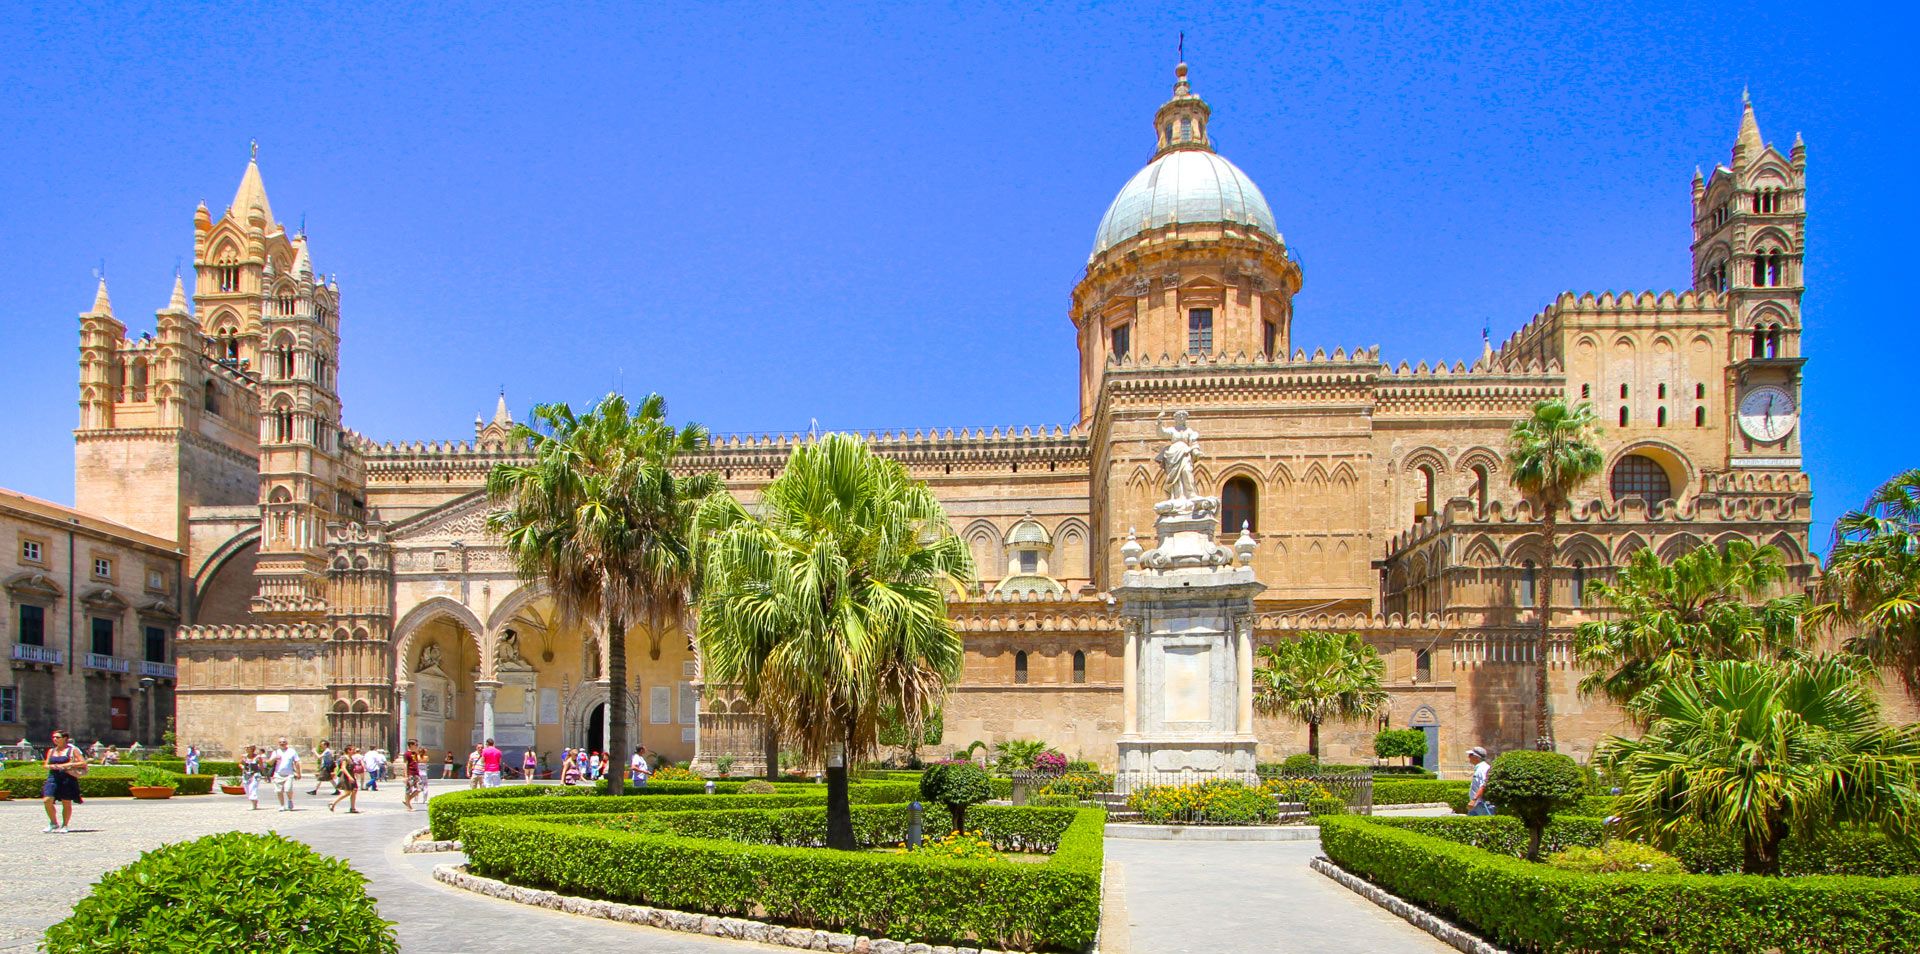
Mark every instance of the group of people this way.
pixel 579 766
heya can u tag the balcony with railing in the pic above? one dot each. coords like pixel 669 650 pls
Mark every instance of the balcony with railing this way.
pixel 158 670
pixel 23 652
pixel 106 663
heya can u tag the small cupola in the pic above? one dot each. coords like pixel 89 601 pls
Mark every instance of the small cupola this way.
pixel 1181 123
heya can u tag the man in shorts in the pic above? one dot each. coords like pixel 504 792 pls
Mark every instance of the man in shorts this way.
pixel 490 765
pixel 474 778
pixel 286 772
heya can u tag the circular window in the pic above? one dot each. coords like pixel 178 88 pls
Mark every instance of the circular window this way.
pixel 1637 475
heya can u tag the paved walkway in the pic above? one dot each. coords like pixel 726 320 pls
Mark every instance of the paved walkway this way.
pixel 1181 897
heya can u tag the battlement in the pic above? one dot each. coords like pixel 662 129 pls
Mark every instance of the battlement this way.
pixel 1791 501
pixel 1605 308
pixel 250 633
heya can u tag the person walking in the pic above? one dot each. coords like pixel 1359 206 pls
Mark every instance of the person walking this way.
pixel 250 775
pixel 569 768
pixel 641 770
pixel 528 763
pixel 593 766
pixel 193 760
pixel 448 769
pixel 65 763
pixel 286 771
pixel 414 762
pixel 346 782
pixel 1477 803
pixel 376 760
pixel 328 761
pixel 490 761
pixel 473 767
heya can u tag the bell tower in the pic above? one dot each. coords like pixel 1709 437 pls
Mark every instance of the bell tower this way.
pixel 1749 246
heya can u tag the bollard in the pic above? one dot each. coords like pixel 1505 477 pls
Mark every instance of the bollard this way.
pixel 914 811
pixel 709 786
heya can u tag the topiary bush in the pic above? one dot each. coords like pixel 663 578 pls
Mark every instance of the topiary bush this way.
pixel 758 786
pixel 1531 786
pixel 1409 744
pixel 1617 857
pixel 1302 764
pixel 956 785
pixel 234 891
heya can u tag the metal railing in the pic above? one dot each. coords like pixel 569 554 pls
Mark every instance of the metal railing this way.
pixel 160 670
pixel 23 652
pixel 106 663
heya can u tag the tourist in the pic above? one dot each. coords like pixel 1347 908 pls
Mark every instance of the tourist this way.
pixel 569 768
pixel 528 763
pixel 65 763
pixel 346 782
pixel 376 760
pixel 641 770
pixel 593 766
pixel 414 762
pixel 113 756
pixel 448 769
pixel 286 771
pixel 490 765
pixel 473 767
pixel 250 775
pixel 328 761
pixel 193 760
pixel 1476 801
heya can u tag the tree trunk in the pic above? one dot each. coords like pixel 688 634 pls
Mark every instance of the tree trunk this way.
pixel 1763 851
pixel 839 810
pixel 616 705
pixel 1533 843
pixel 1313 739
pixel 770 748
pixel 1543 605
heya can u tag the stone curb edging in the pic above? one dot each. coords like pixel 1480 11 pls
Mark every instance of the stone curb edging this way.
pixel 410 845
pixel 1212 832
pixel 687 922
pixel 1410 806
pixel 1442 929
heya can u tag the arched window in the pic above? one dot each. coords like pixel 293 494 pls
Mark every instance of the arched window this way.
pixel 1479 491
pixel 1020 666
pixel 1660 418
pixel 1759 342
pixel 1700 390
pixel 1079 665
pixel 1238 500
pixel 1699 417
pixel 1773 341
pixel 1528 580
pixel 1637 475
pixel 212 397
pixel 139 381
pixel 1423 665
pixel 1578 590
pixel 1623 417
pixel 1423 491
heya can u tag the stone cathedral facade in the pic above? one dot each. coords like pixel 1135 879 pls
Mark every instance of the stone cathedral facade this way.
pixel 337 587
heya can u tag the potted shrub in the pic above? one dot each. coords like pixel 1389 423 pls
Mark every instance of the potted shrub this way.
pixel 230 785
pixel 152 783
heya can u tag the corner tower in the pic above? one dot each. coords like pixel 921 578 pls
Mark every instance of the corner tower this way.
pixel 1187 260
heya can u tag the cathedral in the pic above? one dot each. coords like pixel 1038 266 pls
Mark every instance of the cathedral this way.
pixel 331 586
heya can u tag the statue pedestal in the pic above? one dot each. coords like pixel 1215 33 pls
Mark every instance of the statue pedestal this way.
pixel 1187 690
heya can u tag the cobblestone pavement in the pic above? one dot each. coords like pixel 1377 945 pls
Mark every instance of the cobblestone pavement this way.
pixel 1181 896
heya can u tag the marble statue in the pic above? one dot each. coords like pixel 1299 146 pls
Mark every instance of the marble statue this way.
pixel 429 658
pixel 1176 459
pixel 507 651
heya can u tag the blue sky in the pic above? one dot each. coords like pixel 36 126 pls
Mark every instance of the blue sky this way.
pixel 873 216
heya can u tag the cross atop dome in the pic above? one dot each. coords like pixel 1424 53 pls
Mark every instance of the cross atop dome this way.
pixel 1181 122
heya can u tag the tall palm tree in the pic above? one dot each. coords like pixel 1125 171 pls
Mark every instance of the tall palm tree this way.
pixel 1762 750
pixel 1711 603
pixel 1550 453
pixel 597 514
pixel 1871 590
pixel 825 604
pixel 1320 678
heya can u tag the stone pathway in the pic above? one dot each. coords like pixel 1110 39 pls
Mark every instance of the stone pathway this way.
pixel 1181 897
pixel 1256 896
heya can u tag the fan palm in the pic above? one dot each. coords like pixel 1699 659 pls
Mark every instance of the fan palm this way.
pixel 1551 452
pixel 825 604
pixel 1872 585
pixel 597 515
pixel 1320 678
pixel 1762 750
pixel 1711 603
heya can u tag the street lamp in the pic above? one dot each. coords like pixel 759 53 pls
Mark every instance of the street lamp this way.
pixel 146 698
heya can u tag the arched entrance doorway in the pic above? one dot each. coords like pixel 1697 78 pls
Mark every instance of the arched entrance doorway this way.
pixel 597 729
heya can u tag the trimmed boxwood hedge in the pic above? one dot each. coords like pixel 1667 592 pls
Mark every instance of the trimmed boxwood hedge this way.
pixel 905 896
pixel 106 782
pixel 207 766
pixel 1538 907
pixel 1414 791
pixel 446 813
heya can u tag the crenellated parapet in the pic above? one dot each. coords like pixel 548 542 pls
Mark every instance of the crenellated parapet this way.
pixel 964 450
pixel 251 633
pixel 1543 338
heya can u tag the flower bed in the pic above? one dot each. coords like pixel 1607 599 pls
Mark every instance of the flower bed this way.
pixel 1537 907
pixel 751 864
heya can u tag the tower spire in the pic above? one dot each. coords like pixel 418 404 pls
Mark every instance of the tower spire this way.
pixel 102 305
pixel 177 305
pixel 252 193
pixel 1749 136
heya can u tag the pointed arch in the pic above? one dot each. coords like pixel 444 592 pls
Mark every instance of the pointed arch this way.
pixel 1583 548
pixel 438 607
pixel 1482 552
pixel 1629 545
pixel 989 549
pixel 1072 557
pixel 1791 552
pixel 1527 546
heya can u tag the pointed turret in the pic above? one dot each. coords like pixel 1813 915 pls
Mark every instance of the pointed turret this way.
pixel 1748 142
pixel 501 415
pixel 177 305
pixel 302 264
pixel 102 306
pixel 252 193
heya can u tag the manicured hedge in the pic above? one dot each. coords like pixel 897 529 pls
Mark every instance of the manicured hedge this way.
pixel 670 787
pixel 1503 834
pixel 1055 904
pixel 1531 906
pixel 446 813
pixel 207 766
pixel 1414 791
pixel 1006 827
pixel 110 782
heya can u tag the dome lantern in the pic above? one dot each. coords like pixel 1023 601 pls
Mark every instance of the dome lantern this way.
pixel 1181 122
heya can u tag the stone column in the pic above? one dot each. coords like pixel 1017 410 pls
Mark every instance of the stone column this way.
pixel 1130 677
pixel 485 691
pixel 1243 640
pixel 400 689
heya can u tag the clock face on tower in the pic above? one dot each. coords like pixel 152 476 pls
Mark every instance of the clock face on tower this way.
pixel 1767 413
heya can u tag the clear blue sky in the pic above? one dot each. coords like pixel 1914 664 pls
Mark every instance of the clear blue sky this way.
pixel 873 216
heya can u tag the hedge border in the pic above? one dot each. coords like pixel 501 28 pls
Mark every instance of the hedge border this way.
pixel 1520 904
pixel 102 786
pixel 1052 904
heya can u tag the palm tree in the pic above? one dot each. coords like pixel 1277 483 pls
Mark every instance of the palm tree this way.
pixel 1320 678
pixel 1872 585
pixel 599 517
pixel 1550 452
pixel 1711 603
pixel 825 604
pixel 1761 750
